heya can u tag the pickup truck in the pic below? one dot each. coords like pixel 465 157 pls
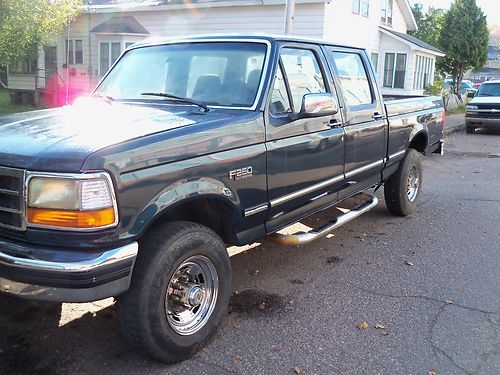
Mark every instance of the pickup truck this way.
pixel 483 111
pixel 187 147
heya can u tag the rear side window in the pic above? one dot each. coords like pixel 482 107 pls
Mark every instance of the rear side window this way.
pixel 353 78
pixel 303 74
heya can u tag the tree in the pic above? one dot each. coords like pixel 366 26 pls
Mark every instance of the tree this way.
pixel 430 24
pixel 27 24
pixel 464 39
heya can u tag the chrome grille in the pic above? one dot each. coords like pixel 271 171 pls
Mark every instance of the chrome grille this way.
pixel 12 198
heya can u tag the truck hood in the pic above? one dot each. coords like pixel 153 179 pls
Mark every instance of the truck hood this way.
pixel 485 100
pixel 61 139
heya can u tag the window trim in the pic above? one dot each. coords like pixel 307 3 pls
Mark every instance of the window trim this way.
pixel 358 2
pixel 395 53
pixel 384 10
pixel 367 2
pixel 68 56
pixel 32 67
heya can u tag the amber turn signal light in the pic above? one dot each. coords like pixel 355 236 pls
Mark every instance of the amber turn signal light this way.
pixel 71 219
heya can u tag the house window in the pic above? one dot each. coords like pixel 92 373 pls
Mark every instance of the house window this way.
pixel 108 54
pixel 423 72
pixel 27 67
pixel 374 58
pixel 74 51
pixel 365 8
pixel 395 70
pixel 353 78
pixel 356 6
pixel 386 13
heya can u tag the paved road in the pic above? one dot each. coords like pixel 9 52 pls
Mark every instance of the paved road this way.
pixel 442 312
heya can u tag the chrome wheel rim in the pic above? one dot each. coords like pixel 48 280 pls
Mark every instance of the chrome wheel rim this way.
pixel 413 184
pixel 191 295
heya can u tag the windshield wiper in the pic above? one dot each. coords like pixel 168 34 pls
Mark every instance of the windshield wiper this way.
pixel 106 97
pixel 180 98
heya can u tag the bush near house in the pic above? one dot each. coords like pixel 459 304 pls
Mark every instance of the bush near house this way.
pixel 7 108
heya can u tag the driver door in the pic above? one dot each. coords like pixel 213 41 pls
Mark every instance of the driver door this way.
pixel 305 156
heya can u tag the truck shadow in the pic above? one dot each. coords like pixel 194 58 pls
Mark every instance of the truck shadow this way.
pixel 53 339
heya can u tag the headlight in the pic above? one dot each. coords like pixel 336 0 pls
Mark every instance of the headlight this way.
pixel 80 202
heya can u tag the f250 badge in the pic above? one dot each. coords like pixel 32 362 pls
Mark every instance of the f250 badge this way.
pixel 240 173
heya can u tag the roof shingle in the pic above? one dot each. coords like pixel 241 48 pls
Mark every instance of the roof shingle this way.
pixel 414 40
pixel 120 25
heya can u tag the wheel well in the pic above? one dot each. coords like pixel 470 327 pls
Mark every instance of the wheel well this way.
pixel 419 143
pixel 210 212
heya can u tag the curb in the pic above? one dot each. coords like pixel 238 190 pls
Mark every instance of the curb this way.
pixel 454 129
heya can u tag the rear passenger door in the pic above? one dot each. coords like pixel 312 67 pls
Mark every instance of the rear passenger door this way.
pixel 365 124
pixel 305 156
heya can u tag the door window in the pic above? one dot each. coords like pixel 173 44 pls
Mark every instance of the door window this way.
pixel 303 74
pixel 353 78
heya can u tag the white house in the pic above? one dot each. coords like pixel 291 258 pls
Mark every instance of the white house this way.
pixel 104 28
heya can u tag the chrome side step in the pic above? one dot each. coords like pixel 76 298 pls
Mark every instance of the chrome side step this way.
pixel 305 238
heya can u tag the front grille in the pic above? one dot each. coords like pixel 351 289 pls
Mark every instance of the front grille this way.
pixel 12 198
pixel 487 106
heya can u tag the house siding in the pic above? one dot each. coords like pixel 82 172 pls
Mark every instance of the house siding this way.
pixel 330 20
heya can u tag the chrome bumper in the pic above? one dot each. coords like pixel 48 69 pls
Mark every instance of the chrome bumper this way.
pixel 65 276
pixel 470 120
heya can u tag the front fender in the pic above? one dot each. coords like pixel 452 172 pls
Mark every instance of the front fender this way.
pixel 182 191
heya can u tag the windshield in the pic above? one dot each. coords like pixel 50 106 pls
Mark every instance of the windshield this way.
pixel 215 73
pixel 489 89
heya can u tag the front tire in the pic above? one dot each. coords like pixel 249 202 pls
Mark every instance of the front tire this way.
pixel 402 189
pixel 179 292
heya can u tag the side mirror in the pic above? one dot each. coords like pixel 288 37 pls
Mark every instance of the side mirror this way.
pixel 471 94
pixel 316 105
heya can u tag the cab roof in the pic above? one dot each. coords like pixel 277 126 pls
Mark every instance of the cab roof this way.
pixel 236 37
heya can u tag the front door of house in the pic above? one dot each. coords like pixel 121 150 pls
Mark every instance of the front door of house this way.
pixel 50 62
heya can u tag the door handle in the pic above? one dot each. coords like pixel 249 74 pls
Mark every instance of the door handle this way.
pixel 334 123
pixel 377 116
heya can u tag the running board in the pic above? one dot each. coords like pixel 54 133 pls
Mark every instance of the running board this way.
pixel 305 238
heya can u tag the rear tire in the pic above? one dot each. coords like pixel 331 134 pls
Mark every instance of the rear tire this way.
pixel 402 189
pixel 179 292
pixel 470 129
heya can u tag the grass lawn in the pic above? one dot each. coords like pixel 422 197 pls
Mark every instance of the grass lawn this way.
pixel 459 109
pixel 7 108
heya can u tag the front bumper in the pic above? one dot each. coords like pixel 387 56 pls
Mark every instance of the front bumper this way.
pixel 65 275
pixel 483 122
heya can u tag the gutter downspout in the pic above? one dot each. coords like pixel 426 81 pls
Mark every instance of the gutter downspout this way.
pixel 289 16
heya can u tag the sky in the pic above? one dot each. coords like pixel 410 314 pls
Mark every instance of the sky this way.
pixel 491 8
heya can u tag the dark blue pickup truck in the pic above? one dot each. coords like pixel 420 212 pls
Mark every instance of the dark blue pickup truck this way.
pixel 185 148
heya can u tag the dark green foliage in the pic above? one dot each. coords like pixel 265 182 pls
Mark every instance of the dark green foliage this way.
pixel 464 39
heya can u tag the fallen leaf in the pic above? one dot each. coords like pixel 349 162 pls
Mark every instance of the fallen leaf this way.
pixel 362 325
pixel 299 371
pixel 237 360
pixel 237 326
pixel 432 372
pixel 14 346
pixel 1 350
pixel 449 302
pixel 380 326
pixel 291 302
pixel 409 263
pixel 262 305
pixel 385 332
